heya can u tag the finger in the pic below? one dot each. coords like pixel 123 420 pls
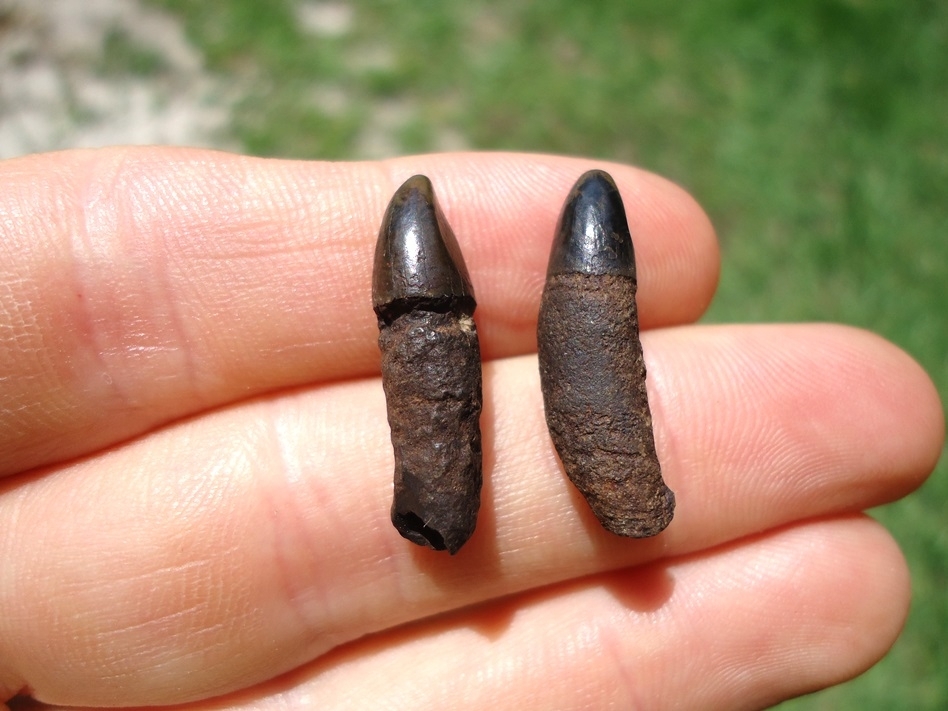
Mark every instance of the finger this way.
pixel 232 548
pixel 740 628
pixel 141 285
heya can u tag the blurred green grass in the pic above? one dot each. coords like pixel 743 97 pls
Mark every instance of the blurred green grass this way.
pixel 813 132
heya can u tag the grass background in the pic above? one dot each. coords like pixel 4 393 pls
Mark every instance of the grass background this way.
pixel 815 133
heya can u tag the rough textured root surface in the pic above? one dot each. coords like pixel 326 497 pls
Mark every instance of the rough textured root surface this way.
pixel 431 373
pixel 593 380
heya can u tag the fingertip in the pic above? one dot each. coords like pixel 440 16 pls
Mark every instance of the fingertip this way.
pixel 907 407
pixel 814 418
pixel 888 566
pixel 863 604
pixel 923 405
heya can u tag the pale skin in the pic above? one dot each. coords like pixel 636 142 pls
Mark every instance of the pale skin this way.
pixel 197 466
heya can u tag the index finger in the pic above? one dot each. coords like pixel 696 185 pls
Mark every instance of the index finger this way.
pixel 142 285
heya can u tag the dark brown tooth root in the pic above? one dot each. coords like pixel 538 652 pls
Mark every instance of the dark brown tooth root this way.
pixel 431 370
pixel 592 372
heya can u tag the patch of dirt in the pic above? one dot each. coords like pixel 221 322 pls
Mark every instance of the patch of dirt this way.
pixel 103 72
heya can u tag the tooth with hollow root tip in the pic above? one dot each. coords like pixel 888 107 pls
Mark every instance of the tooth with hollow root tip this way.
pixel 431 370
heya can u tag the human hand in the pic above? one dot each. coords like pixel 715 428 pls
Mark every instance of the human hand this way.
pixel 198 464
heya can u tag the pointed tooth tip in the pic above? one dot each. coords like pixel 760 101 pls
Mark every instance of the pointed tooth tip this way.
pixel 416 184
pixel 596 178
pixel 417 256
pixel 419 181
pixel 592 235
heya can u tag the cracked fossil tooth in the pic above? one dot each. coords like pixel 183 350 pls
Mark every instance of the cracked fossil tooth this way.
pixel 431 370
